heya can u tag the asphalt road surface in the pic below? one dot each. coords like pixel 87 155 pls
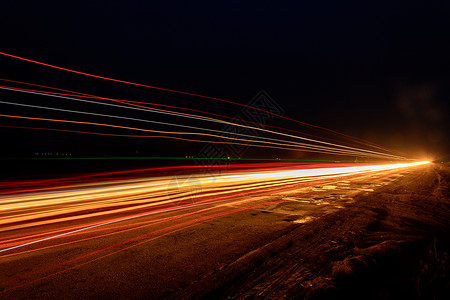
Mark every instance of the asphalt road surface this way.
pixel 382 234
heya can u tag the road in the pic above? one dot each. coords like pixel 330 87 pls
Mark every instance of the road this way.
pixel 303 232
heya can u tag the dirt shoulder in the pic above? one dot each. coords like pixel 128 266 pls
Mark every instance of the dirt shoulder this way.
pixel 392 243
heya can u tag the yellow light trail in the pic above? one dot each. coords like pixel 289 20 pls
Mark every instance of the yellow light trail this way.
pixel 147 195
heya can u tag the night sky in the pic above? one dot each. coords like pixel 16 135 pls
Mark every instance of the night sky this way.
pixel 378 71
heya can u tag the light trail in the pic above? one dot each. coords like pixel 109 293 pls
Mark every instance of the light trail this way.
pixel 130 102
pixel 184 93
pixel 130 196
pixel 356 151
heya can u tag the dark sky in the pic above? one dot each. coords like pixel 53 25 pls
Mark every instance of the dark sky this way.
pixel 378 71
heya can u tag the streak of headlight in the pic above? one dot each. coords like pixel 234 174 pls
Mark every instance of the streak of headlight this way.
pixel 226 179
pixel 112 222
pixel 13 187
pixel 196 117
pixel 104 199
pixel 130 102
pixel 137 201
pixel 146 222
pixel 251 176
pixel 180 92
